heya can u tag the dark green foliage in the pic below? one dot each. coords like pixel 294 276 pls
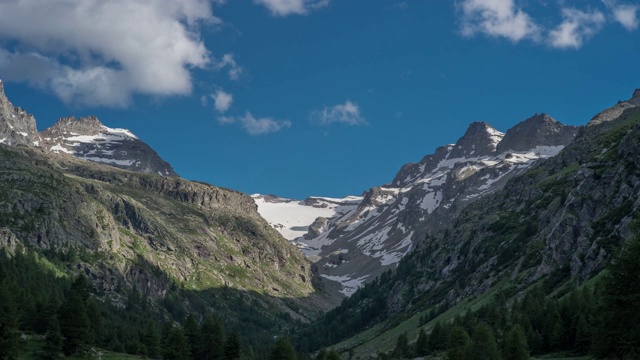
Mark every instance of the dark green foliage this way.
pixel 192 331
pixel 457 343
pixel 74 322
pixel 438 338
pixel 617 330
pixel 176 346
pixel 9 336
pixel 233 347
pixel 152 340
pixel 422 344
pixel 212 340
pixel 483 346
pixel 53 340
pixel 402 346
pixel 282 350
pixel 515 345
pixel 333 355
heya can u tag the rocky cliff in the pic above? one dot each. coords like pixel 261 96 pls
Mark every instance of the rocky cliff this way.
pixel 356 246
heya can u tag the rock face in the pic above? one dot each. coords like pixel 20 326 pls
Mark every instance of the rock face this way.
pixel 615 111
pixel 149 231
pixel 84 138
pixel 88 139
pixel 16 126
pixel 356 246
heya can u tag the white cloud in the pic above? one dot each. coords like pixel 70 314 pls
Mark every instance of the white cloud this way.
pixel 497 18
pixel 256 126
pixel 577 27
pixel 292 7
pixel 228 61
pixel 625 14
pixel 222 101
pixel 99 53
pixel 347 113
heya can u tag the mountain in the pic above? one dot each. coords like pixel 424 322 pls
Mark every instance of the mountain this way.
pixel 84 138
pixel 615 111
pixel 88 139
pixel 358 243
pixel 553 226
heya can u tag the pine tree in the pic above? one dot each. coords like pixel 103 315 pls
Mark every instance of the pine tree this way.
pixel 192 331
pixel 233 347
pixel 176 346
pixel 212 340
pixel 282 350
pixel 617 325
pixel 402 346
pixel 333 355
pixel 583 337
pixel 53 340
pixel 515 345
pixel 422 344
pixel 457 343
pixel 151 340
pixel 483 345
pixel 321 355
pixel 438 338
pixel 74 323
pixel 9 336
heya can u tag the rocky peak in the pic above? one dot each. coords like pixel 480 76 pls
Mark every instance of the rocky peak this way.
pixel 16 126
pixel 615 111
pixel 80 126
pixel 635 98
pixel 479 139
pixel 538 130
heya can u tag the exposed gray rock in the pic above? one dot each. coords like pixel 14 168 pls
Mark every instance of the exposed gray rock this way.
pixel 538 130
pixel 88 139
pixel 615 111
pixel 16 126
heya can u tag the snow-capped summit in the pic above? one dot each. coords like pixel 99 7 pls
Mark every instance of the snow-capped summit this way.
pixel 356 245
pixel 89 139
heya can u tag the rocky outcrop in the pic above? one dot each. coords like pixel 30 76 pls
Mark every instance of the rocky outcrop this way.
pixel 16 126
pixel 616 111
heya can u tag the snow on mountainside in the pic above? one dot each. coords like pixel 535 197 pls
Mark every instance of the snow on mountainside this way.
pixel 292 218
pixel 357 245
pixel 88 139
pixel 84 138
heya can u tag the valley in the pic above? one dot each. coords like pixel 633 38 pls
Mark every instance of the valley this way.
pixel 510 230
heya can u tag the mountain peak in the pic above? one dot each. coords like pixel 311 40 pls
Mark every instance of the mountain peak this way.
pixel 16 126
pixel 479 139
pixel 81 126
pixel 635 98
pixel 538 130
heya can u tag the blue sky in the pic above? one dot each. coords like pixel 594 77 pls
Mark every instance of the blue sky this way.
pixel 322 97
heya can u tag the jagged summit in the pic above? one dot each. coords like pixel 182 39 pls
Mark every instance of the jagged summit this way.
pixel 16 126
pixel 538 130
pixel 82 126
pixel 479 139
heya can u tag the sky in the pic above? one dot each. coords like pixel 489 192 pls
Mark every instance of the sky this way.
pixel 314 97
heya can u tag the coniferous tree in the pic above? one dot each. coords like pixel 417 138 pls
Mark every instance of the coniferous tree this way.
pixel 212 340
pixel 152 340
pixel 402 346
pixel 176 346
pixel 515 345
pixel 333 355
pixel 457 343
pixel 438 338
pixel 74 323
pixel 422 344
pixel 192 331
pixel 321 355
pixel 9 336
pixel 233 347
pixel 53 340
pixel 282 350
pixel 617 326
pixel 483 346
